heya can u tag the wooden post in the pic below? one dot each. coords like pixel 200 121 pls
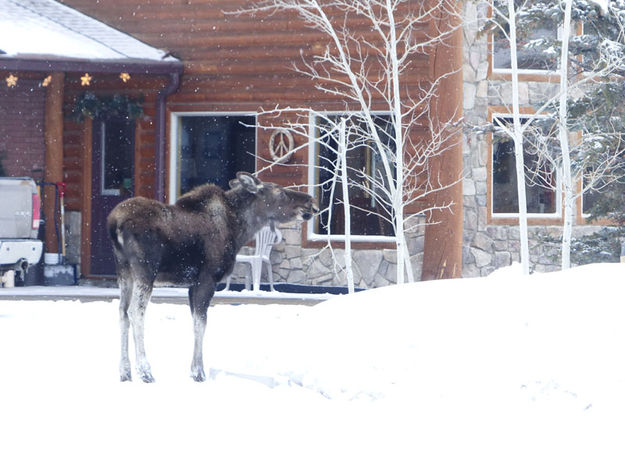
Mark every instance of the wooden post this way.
pixel 85 238
pixel 442 256
pixel 54 155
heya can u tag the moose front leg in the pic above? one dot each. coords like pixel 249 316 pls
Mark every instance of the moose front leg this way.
pixel 200 296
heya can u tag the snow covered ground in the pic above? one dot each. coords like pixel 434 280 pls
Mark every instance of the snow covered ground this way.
pixel 503 371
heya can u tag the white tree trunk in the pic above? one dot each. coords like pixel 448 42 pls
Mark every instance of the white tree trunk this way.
pixel 342 150
pixel 518 141
pixel 403 258
pixel 336 72
pixel 567 180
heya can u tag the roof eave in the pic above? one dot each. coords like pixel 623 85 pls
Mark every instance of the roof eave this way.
pixel 68 65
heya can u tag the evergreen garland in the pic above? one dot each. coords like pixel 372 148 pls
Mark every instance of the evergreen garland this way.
pixel 93 106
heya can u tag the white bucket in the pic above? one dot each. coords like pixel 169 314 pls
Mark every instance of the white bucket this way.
pixel 51 258
pixel 8 279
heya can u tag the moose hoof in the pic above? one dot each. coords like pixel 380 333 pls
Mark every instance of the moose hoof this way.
pixel 198 376
pixel 147 378
pixel 125 377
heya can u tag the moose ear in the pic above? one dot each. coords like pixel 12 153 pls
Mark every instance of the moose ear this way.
pixel 234 183
pixel 249 182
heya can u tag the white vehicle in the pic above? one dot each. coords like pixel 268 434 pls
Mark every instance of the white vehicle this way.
pixel 20 215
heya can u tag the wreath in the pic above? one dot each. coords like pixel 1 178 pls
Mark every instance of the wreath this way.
pixel 90 105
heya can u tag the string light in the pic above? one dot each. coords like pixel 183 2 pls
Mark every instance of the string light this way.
pixel 11 80
pixel 85 80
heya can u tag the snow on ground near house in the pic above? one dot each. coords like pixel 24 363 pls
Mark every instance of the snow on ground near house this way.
pixel 501 371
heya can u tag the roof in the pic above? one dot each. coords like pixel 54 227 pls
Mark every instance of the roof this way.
pixel 46 29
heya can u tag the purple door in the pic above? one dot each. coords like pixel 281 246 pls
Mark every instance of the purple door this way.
pixel 112 182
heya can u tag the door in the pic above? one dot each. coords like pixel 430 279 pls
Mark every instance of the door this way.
pixel 112 180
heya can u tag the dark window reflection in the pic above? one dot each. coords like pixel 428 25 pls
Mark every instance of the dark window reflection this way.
pixel 214 148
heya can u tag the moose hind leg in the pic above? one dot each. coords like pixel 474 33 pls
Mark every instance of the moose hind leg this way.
pixel 125 285
pixel 199 299
pixel 141 293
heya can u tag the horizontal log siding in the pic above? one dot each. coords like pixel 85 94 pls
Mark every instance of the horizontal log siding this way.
pixel 232 63
pixel 73 159
pixel 230 58
pixel 22 128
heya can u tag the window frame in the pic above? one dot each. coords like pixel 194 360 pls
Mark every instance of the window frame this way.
pixel 584 218
pixel 583 214
pixel 311 235
pixel 175 147
pixel 525 74
pixel 506 218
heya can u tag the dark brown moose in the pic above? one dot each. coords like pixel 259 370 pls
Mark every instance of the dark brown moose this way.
pixel 192 243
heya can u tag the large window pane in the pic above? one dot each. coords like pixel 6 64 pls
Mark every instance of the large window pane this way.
pixel 366 175
pixel 539 178
pixel 531 47
pixel 214 148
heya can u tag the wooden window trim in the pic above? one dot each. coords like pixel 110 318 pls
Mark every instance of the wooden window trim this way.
pixel 358 242
pixel 524 74
pixel 512 220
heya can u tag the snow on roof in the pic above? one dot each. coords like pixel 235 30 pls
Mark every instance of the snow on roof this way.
pixel 49 29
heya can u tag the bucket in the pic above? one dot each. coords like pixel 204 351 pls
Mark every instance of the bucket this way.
pixel 8 279
pixel 51 258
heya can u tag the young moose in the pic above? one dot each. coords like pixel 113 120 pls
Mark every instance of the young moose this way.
pixel 193 244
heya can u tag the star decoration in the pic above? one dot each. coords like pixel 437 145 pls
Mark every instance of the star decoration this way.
pixel 46 81
pixel 11 80
pixel 125 77
pixel 85 80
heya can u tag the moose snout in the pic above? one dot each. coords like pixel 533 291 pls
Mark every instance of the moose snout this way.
pixel 308 209
pixel 315 207
pixel 311 209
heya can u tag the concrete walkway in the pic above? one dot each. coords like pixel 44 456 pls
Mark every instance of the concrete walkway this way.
pixel 160 295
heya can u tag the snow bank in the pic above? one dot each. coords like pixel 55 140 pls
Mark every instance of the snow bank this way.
pixel 501 371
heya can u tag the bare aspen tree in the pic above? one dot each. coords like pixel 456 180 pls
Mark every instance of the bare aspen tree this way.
pixel 560 162
pixel 366 74
pixel 342 153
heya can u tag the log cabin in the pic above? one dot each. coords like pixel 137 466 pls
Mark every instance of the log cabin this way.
pixel 163 95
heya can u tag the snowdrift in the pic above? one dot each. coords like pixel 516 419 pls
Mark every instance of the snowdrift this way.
pixel 499 371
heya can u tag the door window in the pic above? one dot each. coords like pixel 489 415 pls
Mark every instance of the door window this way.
pixel 117 157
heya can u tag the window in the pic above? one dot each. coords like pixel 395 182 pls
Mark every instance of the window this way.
pixel 118 151
pixel 540 178
pixel 534 54
pixel 589 200
pixel 603 190
pixel 211 149
pixel 367 195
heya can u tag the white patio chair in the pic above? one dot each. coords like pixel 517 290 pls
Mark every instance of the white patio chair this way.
pixel 265 240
